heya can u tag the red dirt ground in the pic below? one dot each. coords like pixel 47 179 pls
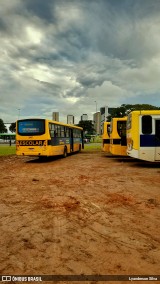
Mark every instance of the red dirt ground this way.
pixel 86 214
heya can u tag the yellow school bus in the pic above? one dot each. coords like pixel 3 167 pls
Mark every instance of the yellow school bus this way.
pixel 118 142
pixel 43 137
pixel 143 135
pixel 106 137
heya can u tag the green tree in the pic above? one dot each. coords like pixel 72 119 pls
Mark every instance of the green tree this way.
pixel 124 109
pixel 12 127
pixel 87 126
pixel 3 128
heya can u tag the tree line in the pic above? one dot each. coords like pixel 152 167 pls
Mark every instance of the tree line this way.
pixel 120 111
pixel 3 128
pixel 124 109
pixel 87 125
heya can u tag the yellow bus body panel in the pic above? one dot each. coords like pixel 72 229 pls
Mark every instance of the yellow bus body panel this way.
pixel 30 149
pixel 117 149
pixel 105 136
pixel 133 135
pixel 106 148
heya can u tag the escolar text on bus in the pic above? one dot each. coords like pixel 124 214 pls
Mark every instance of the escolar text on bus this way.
pixel 30 142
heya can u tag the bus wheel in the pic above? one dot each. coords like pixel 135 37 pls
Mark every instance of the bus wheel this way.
pixel 42 158
pixel 79 148
pixel 65 152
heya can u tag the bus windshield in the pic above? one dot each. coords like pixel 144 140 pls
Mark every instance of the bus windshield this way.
pixel 108 130
pixel 31 127
pixel 121 128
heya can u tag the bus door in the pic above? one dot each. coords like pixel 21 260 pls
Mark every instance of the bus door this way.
pixel 82 139
pixel 157 139
pixel 71 140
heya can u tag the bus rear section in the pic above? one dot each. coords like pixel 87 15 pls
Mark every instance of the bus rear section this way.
pixel 106 137
pixel 64 138
pixel 31 137
pixel 118 142
pixel 143 135
pixel 42 137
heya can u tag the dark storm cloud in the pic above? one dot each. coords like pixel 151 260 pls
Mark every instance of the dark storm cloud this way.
pixel 3 26
pixel 41 8
pixel 134 7
pixel 76 52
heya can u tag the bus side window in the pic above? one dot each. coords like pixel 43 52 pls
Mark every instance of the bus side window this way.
pixel 79 133
pixel 75 133
pixel 51 129
pixel 146 124
pixel 158 129
pixel 58 131
pixel 62 132
pixel 50 126
pixel 55 133
pixel 67 132
pixel 55 130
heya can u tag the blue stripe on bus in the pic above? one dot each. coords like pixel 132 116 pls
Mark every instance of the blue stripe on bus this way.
pixel 149 141
pixel 60 141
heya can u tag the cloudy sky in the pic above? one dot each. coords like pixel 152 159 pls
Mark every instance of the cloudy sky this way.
pixel 63 55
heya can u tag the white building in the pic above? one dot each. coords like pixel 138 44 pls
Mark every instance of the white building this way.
pixel 70 119
pixel 7 125
pixel 84 117
pixel 55 116
pixel 97 122
pixel 103 115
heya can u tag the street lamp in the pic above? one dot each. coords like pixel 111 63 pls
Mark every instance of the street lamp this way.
pixel 19 110
pixel 96 106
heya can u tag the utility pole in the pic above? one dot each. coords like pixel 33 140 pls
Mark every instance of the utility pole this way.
pixel 96 106
pixel 19 110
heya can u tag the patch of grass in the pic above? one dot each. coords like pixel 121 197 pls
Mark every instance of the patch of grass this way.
pixel 7 150
pixel 96 139
pixel 92 147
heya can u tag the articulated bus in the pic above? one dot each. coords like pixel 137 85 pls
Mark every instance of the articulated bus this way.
pixel 106 137
pixel 118 141
pixel 43 137
pixel 143 135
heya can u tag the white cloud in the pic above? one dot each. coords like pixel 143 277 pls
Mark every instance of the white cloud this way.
pixel 34 35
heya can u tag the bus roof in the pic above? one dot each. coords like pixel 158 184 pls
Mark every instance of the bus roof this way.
pixel 55 122
pixel 145 111
pixel 65 124
pixel 120 118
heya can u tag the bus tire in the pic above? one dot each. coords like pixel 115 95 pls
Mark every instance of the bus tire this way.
pixel 42 158
pixel 65 152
